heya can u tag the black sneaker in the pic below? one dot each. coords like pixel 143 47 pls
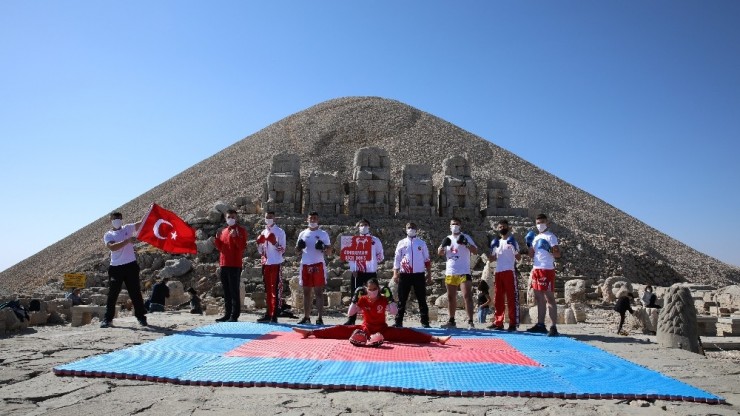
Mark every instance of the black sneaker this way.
pixel 304 321
pixel 264 319
pixel 105 324
pixel 233 320
pixel 222 319
pixel 553 332
pixel 425 325
pixel 351 320
pixel 273 319
pixel 538 329
pixel 450 324
pixel 142 322
pixel 319 321
pixel 471 325
pixel 496 327
pixel 397 325
pixel 512 328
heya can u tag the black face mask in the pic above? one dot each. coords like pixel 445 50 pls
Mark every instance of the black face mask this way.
pixel 504 231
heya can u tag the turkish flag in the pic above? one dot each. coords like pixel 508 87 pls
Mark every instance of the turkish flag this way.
pixel 166 231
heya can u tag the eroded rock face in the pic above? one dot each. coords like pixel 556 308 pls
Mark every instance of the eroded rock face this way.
pixel 575 291
pixel 283 191
pixel 677 320
pixel 416 195
pixel 458 196
pixel 371 191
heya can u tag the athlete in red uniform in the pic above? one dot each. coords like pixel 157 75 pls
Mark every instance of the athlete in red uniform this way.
pixel 374 330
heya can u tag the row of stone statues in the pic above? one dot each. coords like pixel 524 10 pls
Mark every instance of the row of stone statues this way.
pixel 372 192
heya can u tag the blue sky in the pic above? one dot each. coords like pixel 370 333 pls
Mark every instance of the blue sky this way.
pixel 635 102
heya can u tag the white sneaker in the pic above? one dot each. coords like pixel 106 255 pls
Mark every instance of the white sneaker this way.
pixel 471 325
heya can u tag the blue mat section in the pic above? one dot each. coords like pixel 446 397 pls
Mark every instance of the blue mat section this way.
pixel 568 368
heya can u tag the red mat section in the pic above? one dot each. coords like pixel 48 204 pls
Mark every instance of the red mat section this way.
pixel 463 350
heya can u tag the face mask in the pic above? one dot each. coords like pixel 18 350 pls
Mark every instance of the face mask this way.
pixel 372 294
pixel 455 229
pixel 231 221
pixel 504 231
pixel 116 223
pixel 269 222
pixel 411 232
pixel 313 225
pixel 364 229
pixel 541 227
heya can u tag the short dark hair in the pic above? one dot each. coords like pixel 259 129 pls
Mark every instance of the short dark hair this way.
pixel 541 217
pixel 483 286
pixel 411 225
pixel 312 213
pixel 230 211
pixel 503 222
pixel 114 215
pixel 165 279
pixel 270 212
pixel 363 221
pixel 373 280
pixel 457 220
pixel 191 290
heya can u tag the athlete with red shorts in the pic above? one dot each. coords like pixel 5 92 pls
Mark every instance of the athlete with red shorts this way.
pixel 313 243
pixel 544 249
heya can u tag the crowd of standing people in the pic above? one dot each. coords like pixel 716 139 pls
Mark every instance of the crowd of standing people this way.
pixel 412 270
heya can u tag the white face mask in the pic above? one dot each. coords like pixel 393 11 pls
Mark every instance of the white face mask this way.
pixel 231 221
pixel 372 294
pixel 541 227
pixel 313 225
pixel 116 223
pixel 411 232
pixel 269 222
pixel 364 229
pixel 455 229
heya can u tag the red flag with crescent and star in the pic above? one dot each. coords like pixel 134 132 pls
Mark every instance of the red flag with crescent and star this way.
pixel 166 231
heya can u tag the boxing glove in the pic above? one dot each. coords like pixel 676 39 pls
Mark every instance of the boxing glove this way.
pixel 512 241
pixel 358 338
pixel 386 291
pixel 529 238
pixel 300 244
pixel 495 244
pixel 446 242
pixel 375 340
pixel 462 240
pixel 360 291
pixel 320 245
pixel 542 244
pixel 261 239
pixel 272 239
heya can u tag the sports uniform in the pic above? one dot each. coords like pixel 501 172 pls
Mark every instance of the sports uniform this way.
pixel 363 270
pixel 543 273
pixel 231 242
pixel 313 273
pixel 457 270
pixel 271 246
pixel 505 286
pixel 411 260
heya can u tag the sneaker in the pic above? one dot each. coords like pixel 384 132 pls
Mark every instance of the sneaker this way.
pixel 273 319
pixel 423 325
pixel 142 322
pixel 471 325
pixel 553 332
pixel 304 321
pixel 264 319
pixel 512 328
pixel 496 327
pixel 319 321
pixel 351 320
pixel 397 325
pixel 222 319
pixel 105 324
pixel 450 324
pixel 233 320
pixel 538 329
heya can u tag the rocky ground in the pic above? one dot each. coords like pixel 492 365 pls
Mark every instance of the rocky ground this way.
pixel 28 386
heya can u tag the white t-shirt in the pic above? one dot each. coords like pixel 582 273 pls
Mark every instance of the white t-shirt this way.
pixel 458 256
pixel 272 253
pixel 125 254
pixel 376 255
pixel 310 254
pixel 544 259
pixel 412 255
pixel 505 254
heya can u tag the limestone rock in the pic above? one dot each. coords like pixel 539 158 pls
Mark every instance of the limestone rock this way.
pixel 175 268
pixel 677 326
pixel 575 291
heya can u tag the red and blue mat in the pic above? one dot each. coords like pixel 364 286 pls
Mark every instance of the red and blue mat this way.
pixel 472 363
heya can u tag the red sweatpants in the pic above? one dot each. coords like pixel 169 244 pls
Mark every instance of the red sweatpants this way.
pixel 506 290
pixel 272 278
pixel 390 334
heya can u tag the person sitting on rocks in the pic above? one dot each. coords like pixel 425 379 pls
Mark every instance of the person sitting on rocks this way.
pixel 74 296
pixel 648 298
pixel 624 304
pixel 196 305
pixel 160 292
pixel 374 330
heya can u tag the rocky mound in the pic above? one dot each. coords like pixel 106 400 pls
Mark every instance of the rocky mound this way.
pixel 599 240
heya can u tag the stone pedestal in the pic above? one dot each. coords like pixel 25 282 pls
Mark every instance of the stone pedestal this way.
pixel 458 196
pixel 283 193
pixel 371 190
pixel 416 197
pixel 83 314
pixel 325 194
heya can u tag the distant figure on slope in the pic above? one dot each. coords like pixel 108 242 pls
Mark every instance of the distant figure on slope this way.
pixel 374 330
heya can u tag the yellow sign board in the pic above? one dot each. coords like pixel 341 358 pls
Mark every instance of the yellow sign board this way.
pixel 74 280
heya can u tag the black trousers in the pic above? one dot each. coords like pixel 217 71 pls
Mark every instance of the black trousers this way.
pixel 127 274
pixel 418 282
pixel 359 279
pixel 231 281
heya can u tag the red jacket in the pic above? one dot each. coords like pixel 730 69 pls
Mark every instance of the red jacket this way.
pixel 231 242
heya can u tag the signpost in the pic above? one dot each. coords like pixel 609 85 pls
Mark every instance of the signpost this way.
pixel 356 248
pixel 72 280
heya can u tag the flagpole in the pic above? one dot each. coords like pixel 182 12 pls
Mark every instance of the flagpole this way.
pixel 143 220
